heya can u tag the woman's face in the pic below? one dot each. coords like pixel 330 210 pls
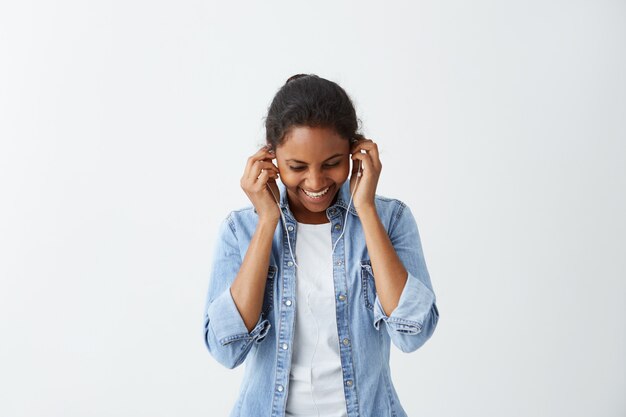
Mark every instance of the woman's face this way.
pixel 313 163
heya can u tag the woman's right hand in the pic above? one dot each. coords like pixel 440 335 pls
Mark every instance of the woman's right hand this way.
pixel 259 173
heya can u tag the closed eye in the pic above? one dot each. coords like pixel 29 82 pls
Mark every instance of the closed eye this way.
pixel 303 167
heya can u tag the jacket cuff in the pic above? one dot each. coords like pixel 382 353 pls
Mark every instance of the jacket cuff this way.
pixel 414 305
pixel 227 324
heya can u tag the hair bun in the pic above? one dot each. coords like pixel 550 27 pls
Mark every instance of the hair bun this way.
pixel 295 77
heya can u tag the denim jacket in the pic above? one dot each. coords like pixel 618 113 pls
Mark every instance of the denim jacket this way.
pixel 365 332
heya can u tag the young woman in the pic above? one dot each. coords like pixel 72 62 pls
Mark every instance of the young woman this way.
pixel 312 283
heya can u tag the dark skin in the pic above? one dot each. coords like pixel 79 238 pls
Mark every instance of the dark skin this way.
pixel 317 160
pixel 313 160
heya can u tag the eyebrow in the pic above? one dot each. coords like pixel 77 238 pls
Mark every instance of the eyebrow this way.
pixel 302 162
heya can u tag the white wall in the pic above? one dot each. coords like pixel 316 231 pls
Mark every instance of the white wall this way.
pixel 124 129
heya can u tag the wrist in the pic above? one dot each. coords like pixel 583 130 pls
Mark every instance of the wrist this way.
pixel 367 210
pixel 269 220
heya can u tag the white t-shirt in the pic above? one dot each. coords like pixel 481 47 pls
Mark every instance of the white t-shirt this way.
pixel 316 379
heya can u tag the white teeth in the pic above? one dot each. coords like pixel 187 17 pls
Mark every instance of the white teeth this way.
pixel 316 195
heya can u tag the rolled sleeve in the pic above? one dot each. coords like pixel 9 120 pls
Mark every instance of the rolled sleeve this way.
pixel 415 318
pixel 414 307
pixel 225 333
pixel 227 324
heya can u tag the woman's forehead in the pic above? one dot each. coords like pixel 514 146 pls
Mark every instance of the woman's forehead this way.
pixel 304 142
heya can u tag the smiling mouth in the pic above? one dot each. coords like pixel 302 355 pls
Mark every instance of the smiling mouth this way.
pixel 316 195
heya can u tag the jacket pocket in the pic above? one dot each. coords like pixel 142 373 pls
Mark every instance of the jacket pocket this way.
pixel 367 284
pixel 268 297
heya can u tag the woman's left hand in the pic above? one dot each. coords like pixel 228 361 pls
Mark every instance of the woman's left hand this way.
pixel 371 167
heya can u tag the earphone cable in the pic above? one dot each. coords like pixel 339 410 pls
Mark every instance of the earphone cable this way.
pixel 282 216
pixel 358 177
pixel 359 174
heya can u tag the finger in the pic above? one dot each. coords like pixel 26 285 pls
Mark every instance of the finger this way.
pixel 259 155
pixel 265 178
pixel 354 145
pixel 361 141
pixel 262 153
pixel 359 146
pixel 270 173
pixel 261 181
pixel 252 173
pixel 366 145
pixel 258 166
pixel 370 148
pixel 365 162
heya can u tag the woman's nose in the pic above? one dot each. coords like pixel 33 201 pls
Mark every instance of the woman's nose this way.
pixel 316 180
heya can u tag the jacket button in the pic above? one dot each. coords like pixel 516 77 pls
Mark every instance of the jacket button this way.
pixel 290 228
pixel 289 263
pixel 346 342
pixel 342 297
pixel 337 226
pixel 280 388
pixel 284 346
pixel 287 303
pixel 349 382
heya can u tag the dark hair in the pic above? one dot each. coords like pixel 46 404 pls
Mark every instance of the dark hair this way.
pixel 309 100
